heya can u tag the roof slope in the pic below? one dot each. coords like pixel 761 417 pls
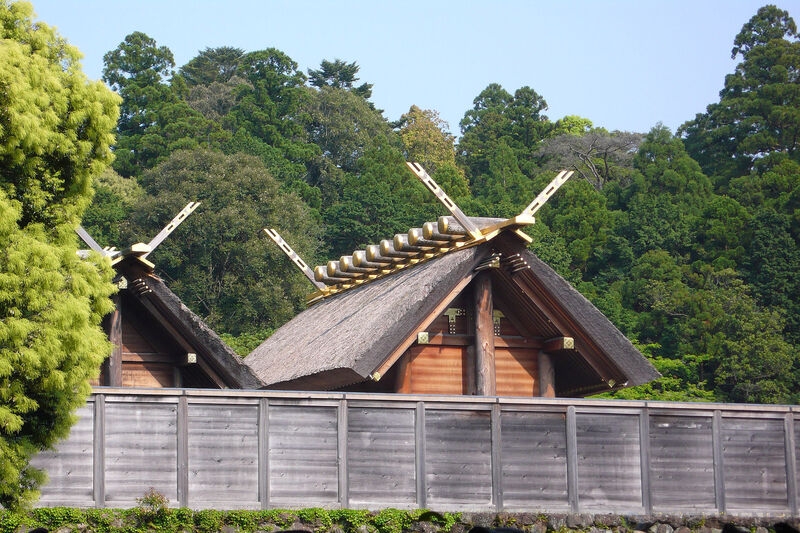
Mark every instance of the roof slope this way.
pixel 606 338
pixel 160 300
pixel 343 339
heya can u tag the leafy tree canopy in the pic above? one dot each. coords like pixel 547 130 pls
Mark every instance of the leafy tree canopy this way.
pixel 340 75
pixel 222 266
pixel 55 134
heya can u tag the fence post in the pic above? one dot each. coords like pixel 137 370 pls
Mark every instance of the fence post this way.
pixel 791 462
pixel 182 430
pixel 419 436
pixel 572 459
pixel 263 452
pixel 497 459
pixel 344 488
pixel 98 451
pixel 644 451
pixel 719 466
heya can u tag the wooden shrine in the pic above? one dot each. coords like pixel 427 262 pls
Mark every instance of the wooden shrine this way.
pixel 158 341
pixel 458 306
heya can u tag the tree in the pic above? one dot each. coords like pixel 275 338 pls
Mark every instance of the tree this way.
pixel 757 120
pixel 212 65
pixel 55 134
pixel 426 139
pixel 222 266
pixel 497 115
pixel 342 125
pixel 339 75
pixel 138 69
pixel 597 155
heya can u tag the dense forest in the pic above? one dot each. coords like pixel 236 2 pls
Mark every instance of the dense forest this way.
pixel 687 241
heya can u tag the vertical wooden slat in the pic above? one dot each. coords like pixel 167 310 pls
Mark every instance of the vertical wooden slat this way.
pixel 98 450
pixel 644 451
pixel 572 459
pixel 497 459
pixel 791 462
pixel 719 467
pixel 419 435
pixel 182 436
pixel 263 452
pixel 547 376
pixel 484 336
pixel 344 493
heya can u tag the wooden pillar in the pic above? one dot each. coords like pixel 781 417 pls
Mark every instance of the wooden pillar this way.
pixel 485 382
pixel 547 376
pixel 114 362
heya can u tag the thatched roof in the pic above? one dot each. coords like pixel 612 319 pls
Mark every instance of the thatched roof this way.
pixel 346 337
pixel 214 356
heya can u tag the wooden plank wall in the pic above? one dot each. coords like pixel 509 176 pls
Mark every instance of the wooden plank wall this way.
pixel 258 450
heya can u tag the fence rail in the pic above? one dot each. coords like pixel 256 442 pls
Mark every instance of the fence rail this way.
pixel 258 450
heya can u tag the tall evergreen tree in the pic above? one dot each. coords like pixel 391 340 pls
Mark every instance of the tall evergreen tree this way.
pixel 55 135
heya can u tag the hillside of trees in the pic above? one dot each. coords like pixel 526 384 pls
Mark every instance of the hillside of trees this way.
pixel 687 241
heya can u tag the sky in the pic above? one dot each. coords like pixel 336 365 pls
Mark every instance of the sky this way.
pixel 624 64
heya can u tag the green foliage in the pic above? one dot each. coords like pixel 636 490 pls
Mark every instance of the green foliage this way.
pixel 222 266
pixel 757 120
pixel 55 133
pixel 166 520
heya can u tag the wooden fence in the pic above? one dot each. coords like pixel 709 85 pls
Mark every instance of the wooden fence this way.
pixel 257 450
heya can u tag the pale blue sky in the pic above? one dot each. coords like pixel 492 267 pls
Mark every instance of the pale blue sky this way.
pixel 624 64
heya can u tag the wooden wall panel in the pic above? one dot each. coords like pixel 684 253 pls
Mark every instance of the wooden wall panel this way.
pixel 609 464
pixel 141 451
pixel 796 424
pixel 682 462
pixel 70 465
pixel 381 456
pixel 534 457
pixel 147 375
pixel 223 456
pixel 755 463
pixel 436 370
pixel 303 455
pixel 517 372
pixel 458 457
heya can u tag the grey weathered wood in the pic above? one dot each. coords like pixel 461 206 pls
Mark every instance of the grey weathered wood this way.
pixel 718 462
pixel 497 459
pixel 644 461
pixel 99 451
pixel 534 460
pixel 791 462
pixel 263 452
pixel 258 449
pixel 341 428
pixel 681 462
pixel 303 455
pixel 140 450
pixel 609 468
pixel 183 451
pixel 381 468
pixel 222 455
pixel 754 463
pixel 572 459
pixel 70 465
pixel 419 441
pixel 458 457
